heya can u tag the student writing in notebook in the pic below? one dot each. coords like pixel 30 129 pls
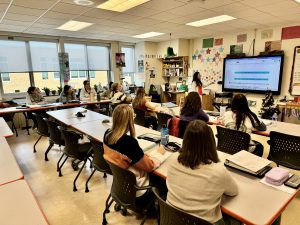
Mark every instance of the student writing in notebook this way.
pixel 243 119
pixel 123 150
pixel 205 177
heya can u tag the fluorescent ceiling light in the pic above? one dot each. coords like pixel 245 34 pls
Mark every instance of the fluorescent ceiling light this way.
pixel 73 25
pixel 120 5
pixel 148 35
pixel 212 20
pixel 83 2
pixel 297 1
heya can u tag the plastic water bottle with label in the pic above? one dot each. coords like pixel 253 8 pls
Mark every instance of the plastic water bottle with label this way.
pixel 164 132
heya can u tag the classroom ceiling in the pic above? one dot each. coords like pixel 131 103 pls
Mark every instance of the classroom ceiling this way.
pixel 166 16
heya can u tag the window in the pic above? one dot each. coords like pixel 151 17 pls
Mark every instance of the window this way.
pixel 5 76
pixel 45 75
pixel 56 75
pixel 19 82
pixel 129 69
pixel 92 60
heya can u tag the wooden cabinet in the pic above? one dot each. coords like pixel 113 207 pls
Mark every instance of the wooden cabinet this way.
pixel 175 66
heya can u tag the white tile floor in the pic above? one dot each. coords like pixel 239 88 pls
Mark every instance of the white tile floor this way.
pixel 62 206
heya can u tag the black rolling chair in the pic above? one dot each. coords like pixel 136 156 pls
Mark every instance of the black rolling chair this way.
pixel 169 215
pixel 162 118
pixel 182 127
pixel 55 137
pixel 285 150
pixel 232 141
pixel 123 192
pixel 139 118
pixel 74 150
pixel 10 118
pixel 42 128
pixel 99 162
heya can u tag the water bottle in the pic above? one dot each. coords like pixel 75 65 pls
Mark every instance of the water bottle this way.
pixel 274 117
pixel 164 132
pixel 98 97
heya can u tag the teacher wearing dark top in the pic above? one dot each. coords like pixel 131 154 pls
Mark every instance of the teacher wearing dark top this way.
pixel 192 108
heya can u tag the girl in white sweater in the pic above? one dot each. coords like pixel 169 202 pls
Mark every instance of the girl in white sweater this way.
pixel 205 178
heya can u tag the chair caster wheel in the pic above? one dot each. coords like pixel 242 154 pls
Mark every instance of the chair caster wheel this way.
pixel 124 211
pixel 117 207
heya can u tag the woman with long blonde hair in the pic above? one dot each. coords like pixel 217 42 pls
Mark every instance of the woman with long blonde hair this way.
pixel 122 149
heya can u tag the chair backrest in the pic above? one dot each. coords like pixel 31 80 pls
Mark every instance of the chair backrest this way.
pixel 71 142
pixel 162 118
pixel 232 141
pixel 123 186
pixel 99 162
pixel 169 215
pixel 139 118
pixel 182 127
pixel 285 150
pixel 54 132
pixel 42 127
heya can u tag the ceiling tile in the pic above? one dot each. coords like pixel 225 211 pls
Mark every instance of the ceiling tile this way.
pixel 142 11
pixel 210 4
pixel 3 7
pixel 162 5
pixel 25 11
pixel 57 15
pixel 96 2
pixel 259 3
pixel 90 19
pixel 16 23
pixel 20 17
pixel 188 9
pixel 51 21
pixel 231 8
pixel 69 8
pixel 13 28
pixel 100 13
pixel 35 4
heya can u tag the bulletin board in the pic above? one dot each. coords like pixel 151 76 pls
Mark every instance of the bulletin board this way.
pixel 295 75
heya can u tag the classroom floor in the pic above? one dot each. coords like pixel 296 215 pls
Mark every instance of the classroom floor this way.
pixel 62 206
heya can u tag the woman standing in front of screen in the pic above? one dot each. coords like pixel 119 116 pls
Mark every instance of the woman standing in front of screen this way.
pixel 197 83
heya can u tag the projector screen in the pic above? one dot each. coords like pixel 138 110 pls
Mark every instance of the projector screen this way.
pixel 253 74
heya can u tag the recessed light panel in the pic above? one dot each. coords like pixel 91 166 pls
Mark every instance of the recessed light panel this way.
pixel 73 25
pixel 120 5
pixel 148 35
pixel 212 20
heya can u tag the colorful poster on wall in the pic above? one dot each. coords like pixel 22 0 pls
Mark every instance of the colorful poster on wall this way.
pixel 141 66
pixel 241 38
pixel 218 41
pixel 120 59
pixel 208 43
pixel 236 49
pixel 64 66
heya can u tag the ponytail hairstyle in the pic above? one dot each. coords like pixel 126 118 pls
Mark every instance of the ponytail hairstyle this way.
pixel 241 109
pixel 196 79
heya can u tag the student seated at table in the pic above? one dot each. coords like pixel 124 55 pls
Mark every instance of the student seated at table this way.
pixel 205 177
pixel 106 94
pixel 3 105
pixel 183 86
pixel 116 95
pixel 34 96
pixel 122 149
pixel 141 103
pixel 243 119
pixel 87 92
pixel 192 108
pixel 67 94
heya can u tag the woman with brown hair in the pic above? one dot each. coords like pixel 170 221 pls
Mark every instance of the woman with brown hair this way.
pixel 205 178
pixel 124 151
pixel 192 108
pixel 116 95
pixel 140 102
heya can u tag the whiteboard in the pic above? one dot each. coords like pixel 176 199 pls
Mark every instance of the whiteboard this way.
pixel 295 76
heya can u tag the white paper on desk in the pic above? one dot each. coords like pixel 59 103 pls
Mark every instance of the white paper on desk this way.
pixel 281 187
pixel 146 145
pixel 158 158
pixel 248 160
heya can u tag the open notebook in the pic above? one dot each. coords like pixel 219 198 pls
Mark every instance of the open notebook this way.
pixel 249 163
pixel 158 158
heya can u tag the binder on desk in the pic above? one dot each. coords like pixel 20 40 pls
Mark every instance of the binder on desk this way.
pixel 248 163
pixel 150 137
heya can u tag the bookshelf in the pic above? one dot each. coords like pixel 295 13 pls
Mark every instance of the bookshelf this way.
pixel 175 66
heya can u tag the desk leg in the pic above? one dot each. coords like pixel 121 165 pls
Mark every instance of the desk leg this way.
pixel 277 221
pixel 27 125
pixel 282 114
